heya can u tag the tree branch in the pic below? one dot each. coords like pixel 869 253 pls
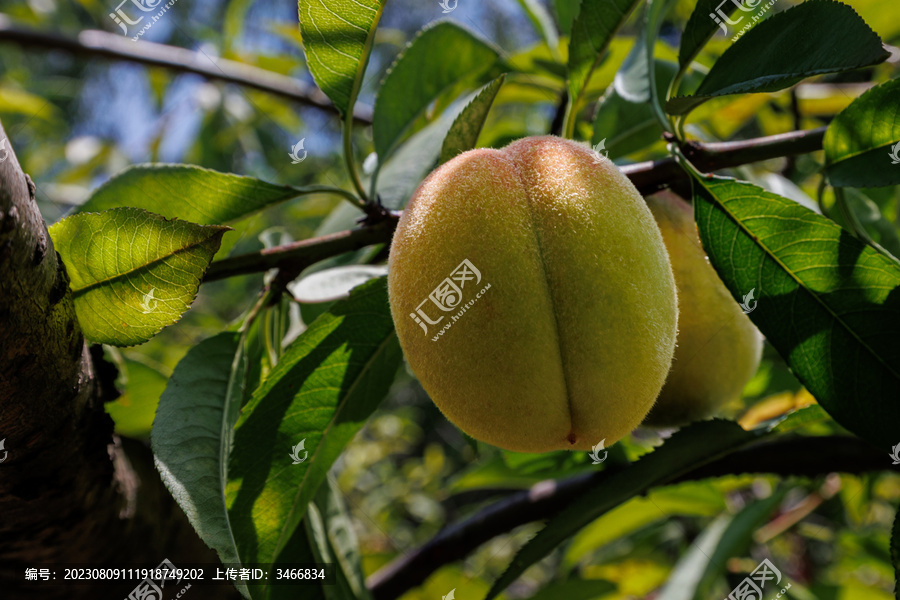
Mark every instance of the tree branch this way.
pixel 299 255
pixel 807 457
pixel 647 177
pixel 95 43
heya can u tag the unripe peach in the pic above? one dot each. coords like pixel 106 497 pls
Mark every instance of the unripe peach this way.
pixel 718 347
pixel 533 297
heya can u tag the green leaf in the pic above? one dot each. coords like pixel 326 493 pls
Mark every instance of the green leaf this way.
pixel 827 302
pixel 860 142
pixel 692 498
pixel 656 12
pixel 726 537
pixel 816 37
pixel 437 59
pixel 133 411
pixel 686 450
pixel 337 39
pixel 416 158
pixel 627 124
pixel 463 134
pixel 132 272
pixel 320 393
pixel 343 545
pixel 799 418
pixel 865 205
pixel 701 27
pixel 543 22
pixel 325 536
pixel 593 30
pixel 305 547
pixel 187 192
pixel 192 437
pixel 566 11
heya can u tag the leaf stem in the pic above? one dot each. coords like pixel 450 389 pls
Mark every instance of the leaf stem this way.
pixel 655 13
pixel 328 189
pixel 569 118
pixel 346 130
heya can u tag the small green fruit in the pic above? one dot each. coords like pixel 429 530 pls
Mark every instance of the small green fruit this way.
pixel 718 347
pixel 533 297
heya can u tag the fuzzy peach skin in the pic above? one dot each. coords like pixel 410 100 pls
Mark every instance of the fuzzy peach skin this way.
pixel 719 348
pixel 567 337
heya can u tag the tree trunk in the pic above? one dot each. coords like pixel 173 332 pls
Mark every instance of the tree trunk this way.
pixel 70 490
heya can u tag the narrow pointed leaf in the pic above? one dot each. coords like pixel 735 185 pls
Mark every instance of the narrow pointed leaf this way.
pixel 814 38
pixel 323 389
pixel 725 538
pixel 337 39
pixel 192 435
pixel 592 31
pixel 463 134
pixel 414 81
pixel 862 143
pixel 689 448
pixel 417 157
pixel 187 192
pixel 827 302
pixel 132 272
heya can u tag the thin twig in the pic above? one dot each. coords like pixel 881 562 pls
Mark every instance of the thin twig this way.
pixel 96 43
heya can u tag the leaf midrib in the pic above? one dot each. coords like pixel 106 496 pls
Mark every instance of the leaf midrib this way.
pixel 125 274
pixel 799 282
pixel 337 412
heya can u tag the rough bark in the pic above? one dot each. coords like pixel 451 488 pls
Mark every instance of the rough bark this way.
pixel 70 491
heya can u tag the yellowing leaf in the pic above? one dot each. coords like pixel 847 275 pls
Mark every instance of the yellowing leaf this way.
pixel 132 272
